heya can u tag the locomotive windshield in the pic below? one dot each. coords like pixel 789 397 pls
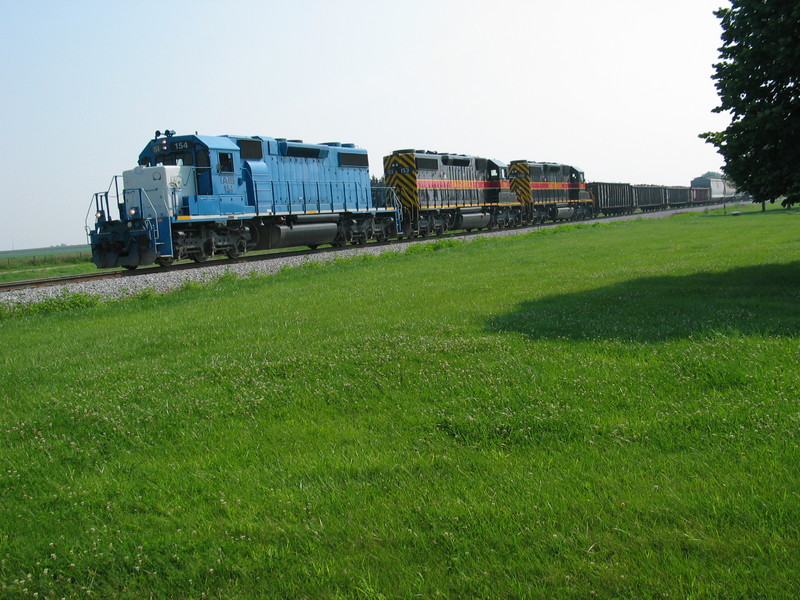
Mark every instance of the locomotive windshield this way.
pixel 576 176
pixel 177 158
pixel 173 158
pixel 497 171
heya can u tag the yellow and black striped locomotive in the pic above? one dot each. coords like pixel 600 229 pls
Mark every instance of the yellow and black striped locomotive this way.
pixel 551 191
pixel 440 192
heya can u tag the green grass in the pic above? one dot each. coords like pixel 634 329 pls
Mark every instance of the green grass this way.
pixel 20 265
pixel 32 256
pixel 25 265
pixel 593 411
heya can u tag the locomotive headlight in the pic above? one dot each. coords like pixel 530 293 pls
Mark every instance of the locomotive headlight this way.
pixel 98 215
pixel 132 212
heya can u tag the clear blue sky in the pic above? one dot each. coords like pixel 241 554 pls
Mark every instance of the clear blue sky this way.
pixel 620 88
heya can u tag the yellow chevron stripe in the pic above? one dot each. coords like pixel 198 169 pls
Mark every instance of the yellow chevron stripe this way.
pixel 521 181
pixel 401 173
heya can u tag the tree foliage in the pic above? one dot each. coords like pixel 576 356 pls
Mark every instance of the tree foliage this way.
pixel 758 80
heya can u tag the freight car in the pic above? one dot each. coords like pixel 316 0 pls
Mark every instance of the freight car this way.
pixel 613 198
pixel 650 197
pixel 719 190
pixel 678 196
pixel 700 196
pixel 623 198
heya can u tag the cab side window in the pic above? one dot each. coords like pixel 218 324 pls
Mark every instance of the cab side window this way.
pixel 225 162
pixel 202 158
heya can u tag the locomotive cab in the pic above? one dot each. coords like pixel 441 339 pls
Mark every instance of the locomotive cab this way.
pixel 497 178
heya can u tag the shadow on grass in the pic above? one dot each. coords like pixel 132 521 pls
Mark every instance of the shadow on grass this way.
pixel 746 211
pixel 750 300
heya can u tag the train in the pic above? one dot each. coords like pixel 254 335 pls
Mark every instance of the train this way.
pixel 196 196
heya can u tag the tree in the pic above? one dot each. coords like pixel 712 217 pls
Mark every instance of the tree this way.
pixel 758 81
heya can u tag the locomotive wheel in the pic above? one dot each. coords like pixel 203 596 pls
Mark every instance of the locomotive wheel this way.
pixel 130 267
pixel 232 254
pixel 199 257
pixel 165 261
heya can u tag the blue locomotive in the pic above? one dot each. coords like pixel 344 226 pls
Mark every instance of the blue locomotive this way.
pixel 198 196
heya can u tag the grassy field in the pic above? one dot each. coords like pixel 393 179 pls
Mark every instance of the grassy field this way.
pixel 20 265
pixel 603 411
pixel 25 265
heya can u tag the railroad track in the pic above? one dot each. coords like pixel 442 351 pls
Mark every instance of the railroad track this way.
pixel 34 283
pixel 100 275
pixel 215 262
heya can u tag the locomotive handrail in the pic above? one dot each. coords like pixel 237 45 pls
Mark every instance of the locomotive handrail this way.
pixel 96 198
pixel 97 202
pixel 149 224
pixel 385 197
